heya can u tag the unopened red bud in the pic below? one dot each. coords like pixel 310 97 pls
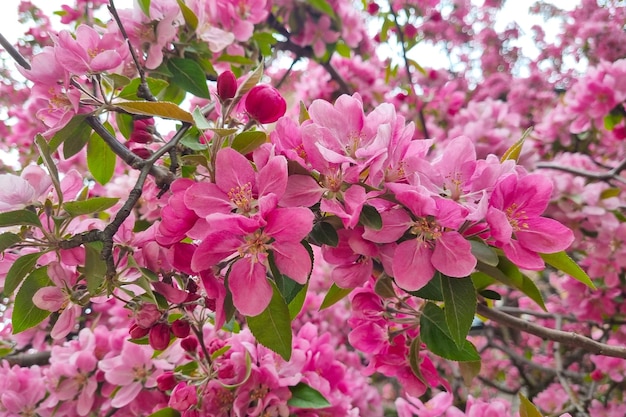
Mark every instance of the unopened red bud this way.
pixel 265 104
pixel 410 31
pixel 142 152
pixel 166 381
pixel 181 328
pixel 137 332
pixel 373 8
pixel 226 85
pixel 141 136
pixel 159 336
pixel 189 344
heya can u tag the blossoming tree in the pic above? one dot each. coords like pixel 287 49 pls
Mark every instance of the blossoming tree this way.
pixel 238 208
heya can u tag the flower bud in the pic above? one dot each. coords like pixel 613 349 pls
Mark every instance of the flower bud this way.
pixel 166 381
pixel 183 396
pixel 159 336
pixel 137 332
pixel 189 344
pixel 226 85
pixel 265 104
pixel 180 328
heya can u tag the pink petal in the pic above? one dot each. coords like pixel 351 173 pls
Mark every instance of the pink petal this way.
pixel 544 235
pixel 50 298
pixel 368 337
pixel 352 275
pixel 66 322
pixel 293 260
pixel 302 190
pixel 523 257
pixel 232 170
pixel 105 61
pixel 273 177
pixel 499 225
pixel 126 394
pixel 213 249
pixel 411 265
pixel 395 223
pixel 248 284
pixel 290 224
pixel 452 255
pixel 206 198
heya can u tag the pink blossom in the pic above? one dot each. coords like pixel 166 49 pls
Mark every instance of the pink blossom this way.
pixel 88 52
pixel 434 407
pixel 516 225
pixel 183 397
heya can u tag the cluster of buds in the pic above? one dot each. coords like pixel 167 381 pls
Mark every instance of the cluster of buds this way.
pixel 142 135
pixel 149 321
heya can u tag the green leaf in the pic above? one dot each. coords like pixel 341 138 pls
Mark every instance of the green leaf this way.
pixel 436 335
pixel 92 205
pixel 100 159
pixel 516 149
pixel 370 217
pixel 324 233
pixel 156 86
pixel 612 119
pixel 166 412
pixel 384 286
pixel 20 268
pixel 44 151
pixel 323 6
pixel 124 124
pixel 563 262
pixel 304 113
pixel 481 280
pixel 7 240
pixel 235 59
pixel 459 297
pixel 190 18
pixel 272 328
pixel 509 274
pixel 303 396
pixel 469 370
pixel 252 80
pixel 295 305
pixel 490 294
pixel 76 142
pixel 189 76
pixel 610 192
pixel 95 267
pixel 526 408
pixel 25 313
pixel 191 140
pixel 19 218
pixel 484 253
pixel 200 121
pixel 334 295
pixel 343 49
pixel 144 5
pixel 76 128
pixel 162 109
pixel 430 291
pixel 246 142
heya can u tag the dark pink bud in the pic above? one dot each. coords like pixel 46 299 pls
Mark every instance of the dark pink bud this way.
pixel 147 315
pixel 159 336
pixel 189 344
pixel 141 136
pixel 265 104
pixel 226 85
pixel 410 31
pixel 142 152
pixel 137 332
pixel 166 381
pixel 181 328
pixel 372 8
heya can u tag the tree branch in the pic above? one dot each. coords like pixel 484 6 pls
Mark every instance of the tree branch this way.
pixel 14 53
pixel 612 174
pixel 566 338
pixel 28 359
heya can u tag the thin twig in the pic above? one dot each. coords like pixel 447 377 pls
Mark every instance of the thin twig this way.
pixel 144 90
pixel 27 360
pixel 14 53
pixel 407 68
pixel 610 175
pixel 558 361
pixel 566 338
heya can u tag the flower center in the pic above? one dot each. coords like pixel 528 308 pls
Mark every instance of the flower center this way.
pixel 241 196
